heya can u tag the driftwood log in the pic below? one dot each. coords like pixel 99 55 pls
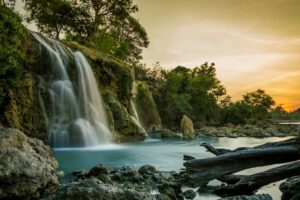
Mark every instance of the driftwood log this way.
pixel 217 151
pixel 249 184
pixel 201 171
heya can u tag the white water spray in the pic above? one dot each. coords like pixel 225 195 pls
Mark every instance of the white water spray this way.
pixel 78 117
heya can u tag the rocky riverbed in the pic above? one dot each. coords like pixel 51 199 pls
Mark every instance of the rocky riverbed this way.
pixel 29 170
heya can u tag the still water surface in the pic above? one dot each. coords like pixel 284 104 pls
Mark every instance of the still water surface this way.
pixel 163 154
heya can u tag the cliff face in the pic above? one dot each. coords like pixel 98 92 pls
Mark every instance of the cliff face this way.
pixel 19 78
pixel 145 105
pixel 115 80
pixel 26 107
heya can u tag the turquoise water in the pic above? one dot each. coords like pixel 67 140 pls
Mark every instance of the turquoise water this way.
pixel 163 154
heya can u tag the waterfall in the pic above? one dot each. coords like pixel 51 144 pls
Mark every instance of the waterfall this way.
pixel 78 117
pixel 135 117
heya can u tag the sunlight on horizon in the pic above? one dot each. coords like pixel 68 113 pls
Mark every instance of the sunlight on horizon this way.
pixel 254 44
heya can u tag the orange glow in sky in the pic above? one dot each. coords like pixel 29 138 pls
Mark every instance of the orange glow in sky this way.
pixel 254 43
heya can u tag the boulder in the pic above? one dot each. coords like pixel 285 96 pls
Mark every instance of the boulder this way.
pixel 291 188
pixel 165 133
pixel 93 188
pixel 27 166
pixel 98 170
pixel 189 194
pixel 147 170
pixel 251 197
pixel 187 127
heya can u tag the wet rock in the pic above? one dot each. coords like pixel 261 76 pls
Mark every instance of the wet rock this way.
pixel 168 191
pixel 97 170
pixel 147 170
pixel 127 174
pixel 27 166
pixel 187 127
pixel 290 188
pixel 165 133
pixel 252 197
pixel 162 197
pixel 187 157
pixel 80 174
pixel 93 188
pixel 189 194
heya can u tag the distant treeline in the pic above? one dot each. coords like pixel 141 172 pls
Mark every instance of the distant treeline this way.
pixel 199 94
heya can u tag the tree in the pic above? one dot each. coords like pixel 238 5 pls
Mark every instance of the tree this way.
pixel 259 98
pixel 51 17
pixel 260 102
pixel 106 25
pixel 194 92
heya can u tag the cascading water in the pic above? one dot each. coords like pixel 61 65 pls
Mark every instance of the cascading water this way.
pixel 135 116
pixel 78 118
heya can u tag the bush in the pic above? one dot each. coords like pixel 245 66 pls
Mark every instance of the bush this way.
pixel 12 34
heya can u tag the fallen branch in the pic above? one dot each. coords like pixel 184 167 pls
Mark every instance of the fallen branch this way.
pixel 219 151
pixel 201 171
pixel 249 184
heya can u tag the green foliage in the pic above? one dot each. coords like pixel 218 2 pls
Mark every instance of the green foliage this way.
pixel 236 113
pixel 11 56
pixel 278 113
pixel 141 91
pixel 254 106
pixel 105 25
pixel 193 92
pixel 260 102
pixel 51 17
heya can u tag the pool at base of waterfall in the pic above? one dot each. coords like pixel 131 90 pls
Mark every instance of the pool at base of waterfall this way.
pixel 165 155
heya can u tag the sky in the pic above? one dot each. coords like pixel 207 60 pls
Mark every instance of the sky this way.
pixel 254 43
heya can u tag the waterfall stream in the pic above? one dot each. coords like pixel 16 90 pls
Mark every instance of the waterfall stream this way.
pixel 78 117
pixel 135 117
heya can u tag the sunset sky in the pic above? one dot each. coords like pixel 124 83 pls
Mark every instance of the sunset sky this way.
pixel 254 43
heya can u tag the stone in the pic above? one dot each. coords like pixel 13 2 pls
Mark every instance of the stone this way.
pixel 97 170
pixel 290 188
pixel 93 188
pixel 251 197
pixel 127 174
pixel 189 194
pixel 165 133
pixel 27 166
pixel 187 127
pixel 147 170
pixel 168 191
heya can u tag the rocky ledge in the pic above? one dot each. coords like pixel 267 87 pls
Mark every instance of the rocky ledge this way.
pixel 267 130
pixel 27 166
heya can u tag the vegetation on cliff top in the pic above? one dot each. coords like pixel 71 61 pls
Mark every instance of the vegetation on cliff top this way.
pixel 104 25
pixel 11 54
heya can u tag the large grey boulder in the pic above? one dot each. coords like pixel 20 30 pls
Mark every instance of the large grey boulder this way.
pixel 27 166
pixel 187 127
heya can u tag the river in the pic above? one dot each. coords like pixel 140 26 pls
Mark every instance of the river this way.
pixel 163 154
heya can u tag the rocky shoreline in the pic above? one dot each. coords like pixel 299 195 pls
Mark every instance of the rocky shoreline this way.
pixel 260 131
pixel 29 170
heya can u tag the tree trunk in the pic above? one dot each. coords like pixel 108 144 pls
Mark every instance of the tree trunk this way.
pixel 217 151
pixel 201 171
pixel 249 184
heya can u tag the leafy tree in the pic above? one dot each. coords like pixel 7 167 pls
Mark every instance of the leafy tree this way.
pixel 105 25
pixel 260 102
pixel 12 34
pixel 51 17
pixel 236 113
pixel 194 92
